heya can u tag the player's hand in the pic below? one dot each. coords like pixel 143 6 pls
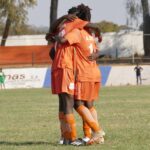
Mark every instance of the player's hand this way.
pixel 99 39
pixel 50 37
pixel 93 56
pixel 98 35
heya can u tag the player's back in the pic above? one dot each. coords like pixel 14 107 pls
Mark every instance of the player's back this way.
pixel 86 70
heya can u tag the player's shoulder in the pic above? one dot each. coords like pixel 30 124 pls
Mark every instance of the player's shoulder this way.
pixel 76 31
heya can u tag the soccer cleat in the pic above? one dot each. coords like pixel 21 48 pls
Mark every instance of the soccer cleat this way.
pixel 103 133
pixel 77 142
pixel 85 139
pixel 97 138
pixel 61 141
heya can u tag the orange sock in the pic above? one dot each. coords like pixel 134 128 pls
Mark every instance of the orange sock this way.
pixel 70 127
pixel 94 114
pixel 86 130
pixel 88 118
pixel 62 123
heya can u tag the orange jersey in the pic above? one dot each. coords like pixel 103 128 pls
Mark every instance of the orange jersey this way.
pixel 64 52
pixel 84 45
pixel 63 57
pixel 63 66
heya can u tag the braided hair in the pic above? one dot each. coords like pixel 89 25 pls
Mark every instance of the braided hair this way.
pixel 84 12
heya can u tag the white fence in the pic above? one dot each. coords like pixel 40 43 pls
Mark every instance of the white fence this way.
pixel 122 44
pixel 41 77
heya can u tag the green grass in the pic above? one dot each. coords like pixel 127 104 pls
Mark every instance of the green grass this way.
pixel 28 119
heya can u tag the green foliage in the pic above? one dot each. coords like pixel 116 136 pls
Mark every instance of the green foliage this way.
pixel 106 26
pixel 16 11
pixel 24 30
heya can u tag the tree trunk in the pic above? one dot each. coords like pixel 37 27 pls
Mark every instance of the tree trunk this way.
pixel 146 27
pixel 53 11
pixel 145 7
pixel 6 32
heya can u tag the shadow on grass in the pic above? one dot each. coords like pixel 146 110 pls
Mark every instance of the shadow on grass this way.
pixel 27 143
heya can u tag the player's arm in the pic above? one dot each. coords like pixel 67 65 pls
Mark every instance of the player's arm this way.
pixel 72 37
pixel 60 39
pixel 52 53
pixel 93 27
pixel 57 24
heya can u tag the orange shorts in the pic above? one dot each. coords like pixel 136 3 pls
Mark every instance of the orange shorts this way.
pixel 87 91
pixel 63 81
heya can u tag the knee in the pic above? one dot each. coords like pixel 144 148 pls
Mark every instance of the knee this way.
pixel 77 103
pixel 89 104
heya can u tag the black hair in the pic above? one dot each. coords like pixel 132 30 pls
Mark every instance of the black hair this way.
pixel 84 12
pixel 73 10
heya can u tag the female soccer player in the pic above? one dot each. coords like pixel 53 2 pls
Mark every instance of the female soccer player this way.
pixel 83 44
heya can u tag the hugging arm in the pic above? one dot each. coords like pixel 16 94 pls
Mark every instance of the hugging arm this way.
pixel 60 39
pixel 57 24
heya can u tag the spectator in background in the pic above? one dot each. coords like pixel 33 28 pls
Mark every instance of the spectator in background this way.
pixel 2 79
pixel 138 70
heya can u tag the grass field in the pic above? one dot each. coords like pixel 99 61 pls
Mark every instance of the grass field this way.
pixel 28 119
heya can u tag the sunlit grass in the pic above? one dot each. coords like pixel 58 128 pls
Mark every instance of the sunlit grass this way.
pixel 28 119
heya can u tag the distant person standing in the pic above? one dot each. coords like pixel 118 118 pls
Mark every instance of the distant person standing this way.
pixel 138 70
pixel 2 79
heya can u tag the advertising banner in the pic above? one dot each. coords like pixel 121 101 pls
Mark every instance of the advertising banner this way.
pixel 41 77
pixel 24 77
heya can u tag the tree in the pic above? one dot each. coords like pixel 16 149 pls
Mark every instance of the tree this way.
pixel 146 27
pixel 135 8
pixel 53 11
pixel 15 13
pixel 106 26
